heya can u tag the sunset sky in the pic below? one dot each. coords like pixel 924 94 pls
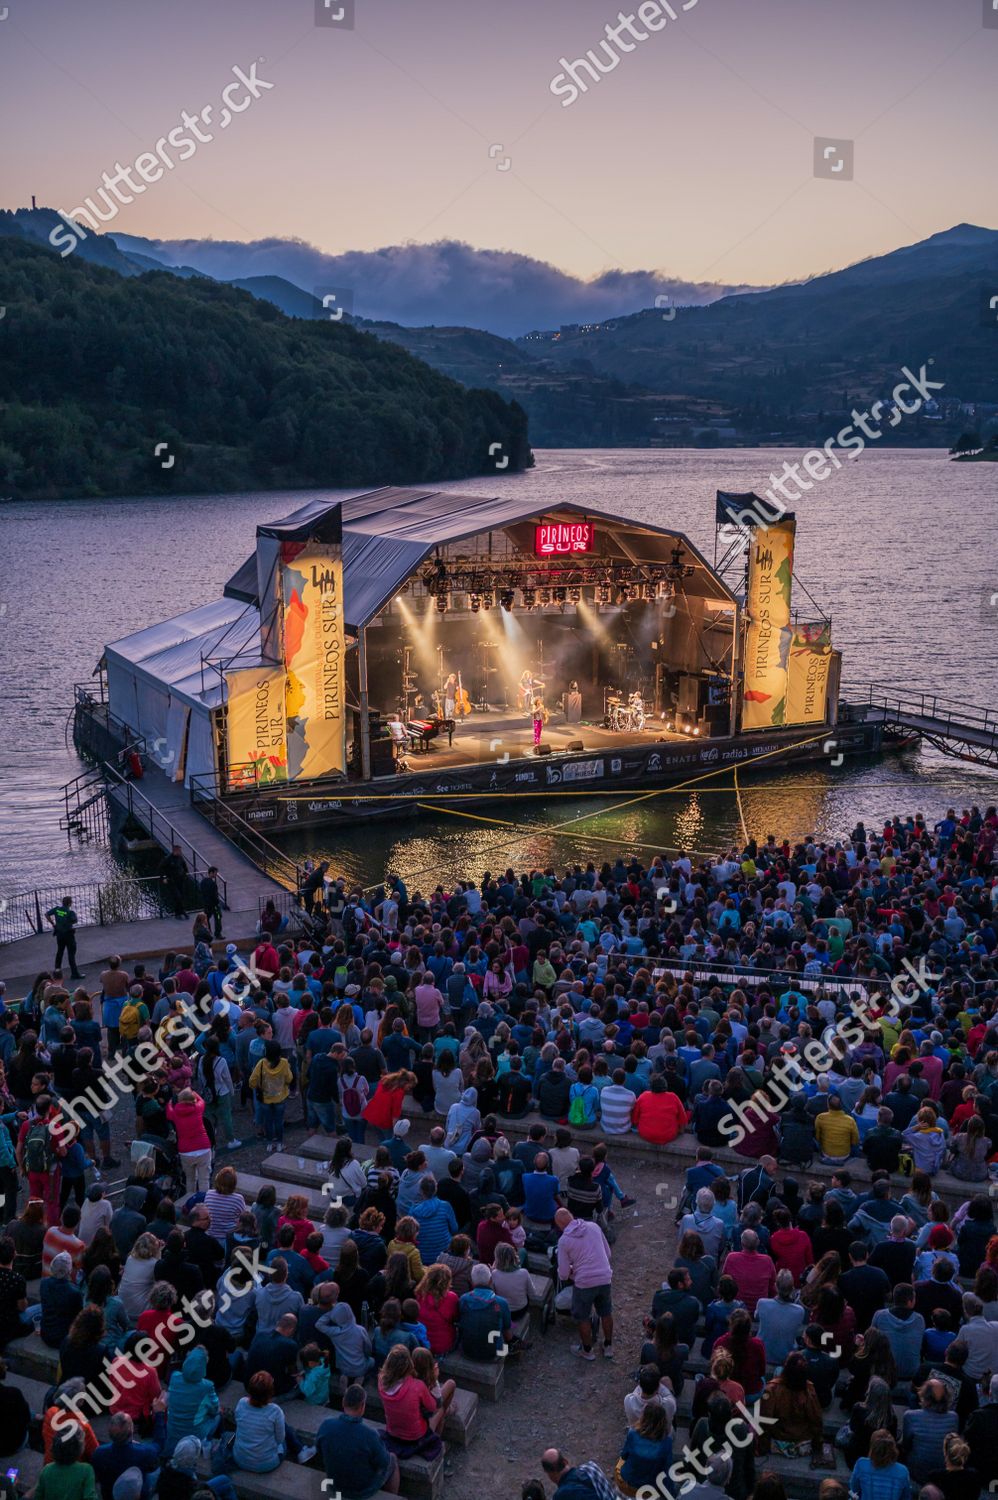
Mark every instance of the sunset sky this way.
pixel 695 156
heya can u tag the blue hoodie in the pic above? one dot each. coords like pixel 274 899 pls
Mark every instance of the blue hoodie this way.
pixel 192 1408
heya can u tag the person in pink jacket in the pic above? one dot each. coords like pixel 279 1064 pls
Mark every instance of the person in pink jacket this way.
pixel 584 1260
pixel 187 1119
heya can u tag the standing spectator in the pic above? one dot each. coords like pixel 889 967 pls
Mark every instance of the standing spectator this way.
pixel 584 1260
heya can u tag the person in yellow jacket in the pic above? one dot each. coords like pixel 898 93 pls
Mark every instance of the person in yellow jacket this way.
pixel 271 1082
pixel 837 1131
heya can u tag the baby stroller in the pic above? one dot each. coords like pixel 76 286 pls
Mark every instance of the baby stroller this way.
pixel 169 1176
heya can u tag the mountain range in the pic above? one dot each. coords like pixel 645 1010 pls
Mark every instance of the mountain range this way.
pixel 693 364
pixel 117 380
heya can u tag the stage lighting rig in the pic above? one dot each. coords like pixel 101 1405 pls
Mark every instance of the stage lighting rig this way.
pixel 506 598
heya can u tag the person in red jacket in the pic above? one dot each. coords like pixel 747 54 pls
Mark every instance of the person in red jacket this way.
pixel 790 1248
pixel 266 960
pixel 385 1105
pixel 492 1231
pixel 659 1114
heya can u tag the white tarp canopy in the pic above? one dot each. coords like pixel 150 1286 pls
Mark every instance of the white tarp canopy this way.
pixel 162 682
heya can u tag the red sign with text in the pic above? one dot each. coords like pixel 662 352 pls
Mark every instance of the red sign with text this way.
pixel 561 538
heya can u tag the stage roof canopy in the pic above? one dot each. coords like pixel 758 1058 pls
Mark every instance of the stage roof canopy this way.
pixel 388 533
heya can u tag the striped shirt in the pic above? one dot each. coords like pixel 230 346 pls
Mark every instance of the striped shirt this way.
pixel 225 1209
pixel 615 1104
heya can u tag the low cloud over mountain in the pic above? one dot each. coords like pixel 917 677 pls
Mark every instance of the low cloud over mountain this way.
pixel 444 283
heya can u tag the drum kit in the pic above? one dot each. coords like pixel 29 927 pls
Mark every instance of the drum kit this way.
pixel 624 715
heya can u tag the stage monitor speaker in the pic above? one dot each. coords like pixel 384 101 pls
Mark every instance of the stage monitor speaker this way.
pixel 575 745
pixel 542 749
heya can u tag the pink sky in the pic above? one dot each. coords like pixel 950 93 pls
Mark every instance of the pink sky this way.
pixel 694 156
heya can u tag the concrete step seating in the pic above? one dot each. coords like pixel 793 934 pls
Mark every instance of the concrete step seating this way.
pixel 293 1179
pixel 422 1479
pixel 678 1154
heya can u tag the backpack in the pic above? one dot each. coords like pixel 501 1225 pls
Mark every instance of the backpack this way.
pixel 38 1152
pixel 129 1021
pixel 352 1102
pixel 577 1110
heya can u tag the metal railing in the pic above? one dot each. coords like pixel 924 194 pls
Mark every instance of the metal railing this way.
pixel 266 856
pixel 80 792
pixel 120 898
pixel 148 815
pixel 950 715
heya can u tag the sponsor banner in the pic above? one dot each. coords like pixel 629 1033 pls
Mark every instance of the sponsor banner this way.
pixel 255 746
pixel 767 633
pixel 314 656
pixel 807 673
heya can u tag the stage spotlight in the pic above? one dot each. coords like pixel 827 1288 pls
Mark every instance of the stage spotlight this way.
pixel 475 602
pixel 545 596
pixel 687 729
pixel 696 729
pixel 529 598
pixel 604 593
pixel 441 603
pixel 670 724
pixel 559 595
pixel 621 596
pixel 575 594
pixel 486 601
pixel 506 599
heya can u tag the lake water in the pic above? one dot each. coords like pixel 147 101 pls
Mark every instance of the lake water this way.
pixel 897 546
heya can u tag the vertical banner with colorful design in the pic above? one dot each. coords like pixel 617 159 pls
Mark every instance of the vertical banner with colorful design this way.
pixel 767 632
pixel 807 675
pixel 314 655
pixel 255 727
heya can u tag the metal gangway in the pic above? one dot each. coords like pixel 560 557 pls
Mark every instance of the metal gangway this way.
pixel 954 728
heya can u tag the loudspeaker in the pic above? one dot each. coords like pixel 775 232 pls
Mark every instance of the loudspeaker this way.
pixel 542 749
pixel 575 745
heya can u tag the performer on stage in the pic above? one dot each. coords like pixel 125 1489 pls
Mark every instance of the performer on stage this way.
pixel 450 696
pixel 540 716
pixel 637 708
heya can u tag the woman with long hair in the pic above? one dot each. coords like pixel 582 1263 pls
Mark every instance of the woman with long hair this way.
pixel 413 1417
pixel 101 1294
pixel 438 1309
pixel 393 1283
pixel 351 1278
pixel 272 1080
pixel 346 1175
pixel 875 1413
pixel 102 1251
pixel 448 1083
pixel 214 1081
pixel 84 1349
pixel 790 1400
pixel 825 1273
pixel 917 1199
pixel 873 1358
pixel 295 1214
pixel 647 1452
pixel 28 1232
pixel 971 1149
pixel 720 1378
pixel 385 1105
pixel 748 1354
